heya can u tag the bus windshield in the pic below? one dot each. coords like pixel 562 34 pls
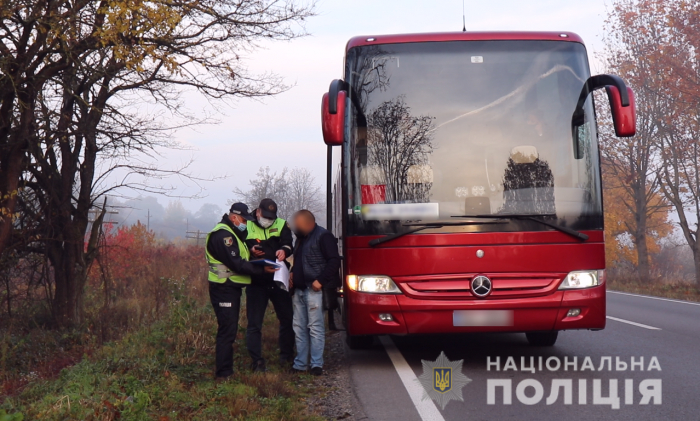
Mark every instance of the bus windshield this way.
pixel 445 129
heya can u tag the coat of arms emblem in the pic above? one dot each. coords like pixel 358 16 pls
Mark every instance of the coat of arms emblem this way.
pixel 443 379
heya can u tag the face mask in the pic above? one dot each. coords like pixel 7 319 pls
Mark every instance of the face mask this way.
pixel 265 223
pixel 242 227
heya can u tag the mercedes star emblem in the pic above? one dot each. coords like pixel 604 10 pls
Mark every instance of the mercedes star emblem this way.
pixel 481 286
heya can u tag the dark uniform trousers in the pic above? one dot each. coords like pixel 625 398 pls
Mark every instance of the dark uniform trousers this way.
pixel 257 297
pixel 226 300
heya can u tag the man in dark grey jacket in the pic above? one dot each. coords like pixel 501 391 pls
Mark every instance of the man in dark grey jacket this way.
pixel 316 265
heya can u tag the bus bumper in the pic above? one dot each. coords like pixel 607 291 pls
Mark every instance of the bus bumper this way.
pixel 416 316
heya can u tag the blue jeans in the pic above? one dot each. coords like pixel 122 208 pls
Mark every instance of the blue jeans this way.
pixel 309 328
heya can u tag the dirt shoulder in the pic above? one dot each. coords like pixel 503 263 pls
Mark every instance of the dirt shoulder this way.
pixel 336 400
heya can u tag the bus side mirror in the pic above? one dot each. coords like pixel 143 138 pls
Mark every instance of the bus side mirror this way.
pixel 333 114
pixel 621 105
pixel 624 118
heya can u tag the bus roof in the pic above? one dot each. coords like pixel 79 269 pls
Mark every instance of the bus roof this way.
pixel 461 36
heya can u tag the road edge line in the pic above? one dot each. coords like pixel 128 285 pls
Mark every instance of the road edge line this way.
pixel 426 407
pixel 692 303
pixel 629 322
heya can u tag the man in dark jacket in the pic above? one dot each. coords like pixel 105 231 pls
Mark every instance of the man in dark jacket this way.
pixel 316 265
pixel 229 272
pixel 269 237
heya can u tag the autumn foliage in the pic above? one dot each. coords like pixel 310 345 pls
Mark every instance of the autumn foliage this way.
pixel 652 180
pixel 136 275
pixel 620 246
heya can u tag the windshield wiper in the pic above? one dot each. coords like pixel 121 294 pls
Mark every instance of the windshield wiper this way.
pixel 532 217
pixel 419 226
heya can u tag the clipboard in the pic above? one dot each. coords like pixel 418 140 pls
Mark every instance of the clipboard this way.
pixel 265 262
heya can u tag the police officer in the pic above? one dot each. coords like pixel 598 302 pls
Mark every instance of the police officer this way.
pixel 269 237
pixel 229 272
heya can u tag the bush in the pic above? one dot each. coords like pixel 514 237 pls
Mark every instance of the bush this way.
pixel 136 281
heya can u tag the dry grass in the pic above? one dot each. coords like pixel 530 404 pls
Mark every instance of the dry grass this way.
pixel 164 372
pixel 674 287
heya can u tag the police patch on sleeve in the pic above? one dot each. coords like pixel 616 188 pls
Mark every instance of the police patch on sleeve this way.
pixel 228 241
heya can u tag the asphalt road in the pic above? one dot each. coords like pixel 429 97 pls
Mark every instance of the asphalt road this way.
pixel 637 326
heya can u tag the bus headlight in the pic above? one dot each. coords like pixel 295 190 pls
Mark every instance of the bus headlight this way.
pixel 374 284
pixel 579 279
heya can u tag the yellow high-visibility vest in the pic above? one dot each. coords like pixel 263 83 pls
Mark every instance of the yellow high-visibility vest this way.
pixel 256 232
pixel 219 272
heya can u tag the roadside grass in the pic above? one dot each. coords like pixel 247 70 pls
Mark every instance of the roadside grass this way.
pixel 674 289
pixel 38 353
pixel 165 372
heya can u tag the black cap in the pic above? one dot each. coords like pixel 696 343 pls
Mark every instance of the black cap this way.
pixel 268 208
pixel 241 209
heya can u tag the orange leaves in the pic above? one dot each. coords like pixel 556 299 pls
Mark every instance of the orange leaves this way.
pixel 650 44
pixel 621 220
pixel 140 271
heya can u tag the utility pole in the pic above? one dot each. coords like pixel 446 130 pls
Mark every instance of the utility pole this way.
pixel 196 235
pixel 95 211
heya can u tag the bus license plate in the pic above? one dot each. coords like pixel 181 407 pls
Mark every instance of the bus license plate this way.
pixel 482 318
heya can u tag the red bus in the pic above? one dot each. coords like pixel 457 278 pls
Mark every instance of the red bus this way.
pixel 467 192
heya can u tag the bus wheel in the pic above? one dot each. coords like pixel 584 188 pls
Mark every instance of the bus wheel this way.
pixel 359 342
pixel 542 338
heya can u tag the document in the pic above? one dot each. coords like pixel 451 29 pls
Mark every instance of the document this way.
pixel 282 276
pixel 265 262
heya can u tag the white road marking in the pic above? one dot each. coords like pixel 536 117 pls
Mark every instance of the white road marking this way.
pixel 426 407
pixel 655 298
pixel 633 323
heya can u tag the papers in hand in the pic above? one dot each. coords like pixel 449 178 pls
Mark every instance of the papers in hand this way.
pixel 282 276
pixel 265 262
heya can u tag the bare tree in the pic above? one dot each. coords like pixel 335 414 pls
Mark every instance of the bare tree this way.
pixel 304 193
pixel 680 140
pixel 291 190
pixel 265 184
pixel 400 144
